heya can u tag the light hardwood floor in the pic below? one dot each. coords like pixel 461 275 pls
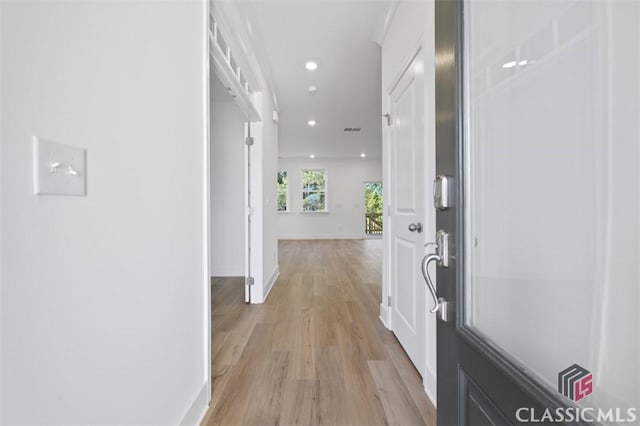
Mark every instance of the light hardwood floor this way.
pixel 315 353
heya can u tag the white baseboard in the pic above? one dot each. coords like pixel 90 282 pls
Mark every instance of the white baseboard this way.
pixel 430 387
pixel 271 281
pixel 384 316
pixel 198 409
pixel 321 237
pixel 227 271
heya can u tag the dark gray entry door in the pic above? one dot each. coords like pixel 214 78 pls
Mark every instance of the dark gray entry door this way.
pixel 535 136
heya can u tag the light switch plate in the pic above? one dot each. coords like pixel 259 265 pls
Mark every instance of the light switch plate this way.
pixel 58 169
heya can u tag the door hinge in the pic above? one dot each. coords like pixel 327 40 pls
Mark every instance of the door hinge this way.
pixel 388 300
pixel 249 281
pixel 249 141
pixel 388 117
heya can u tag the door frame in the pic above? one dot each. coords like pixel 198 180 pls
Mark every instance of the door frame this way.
pixel 500 375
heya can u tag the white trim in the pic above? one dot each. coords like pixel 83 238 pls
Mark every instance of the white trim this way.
pixel 206 309
pixel 270 282
pixel 385 313
pixel 198 409
pixel 430 387
pixel 321 237
pixel 229 78
pixel 227 21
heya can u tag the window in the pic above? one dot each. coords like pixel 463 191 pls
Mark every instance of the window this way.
pixel 283 192
pixel 373 203
pixel 314 191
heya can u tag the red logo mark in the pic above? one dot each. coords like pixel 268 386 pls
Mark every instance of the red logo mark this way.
pixel 583 387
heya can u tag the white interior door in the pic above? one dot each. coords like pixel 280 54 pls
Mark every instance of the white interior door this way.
pixel 407 201
pixel 248 277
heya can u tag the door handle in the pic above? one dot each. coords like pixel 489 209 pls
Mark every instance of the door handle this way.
pixel 441 256
pixel 415 227
pixel 425 273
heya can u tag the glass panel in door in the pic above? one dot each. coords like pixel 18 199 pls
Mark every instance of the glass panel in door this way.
pixel 553 192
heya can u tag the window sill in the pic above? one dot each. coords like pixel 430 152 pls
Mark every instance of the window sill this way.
pixel 316 212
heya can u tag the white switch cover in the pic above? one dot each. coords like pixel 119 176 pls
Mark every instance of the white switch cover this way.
pixel 58 169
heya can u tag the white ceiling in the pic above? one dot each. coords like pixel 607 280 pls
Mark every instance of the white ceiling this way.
pixel 338 36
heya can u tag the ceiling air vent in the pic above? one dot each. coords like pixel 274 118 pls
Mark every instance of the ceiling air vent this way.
pixel 352 129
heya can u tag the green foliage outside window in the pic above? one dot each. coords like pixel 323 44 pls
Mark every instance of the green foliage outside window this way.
pixel 373 198
pixel 282 192
pixel 313 190
pixel 374 206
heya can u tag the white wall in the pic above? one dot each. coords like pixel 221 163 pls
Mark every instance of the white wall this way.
pixel 412 25
pixel 104 296
pixel 227 189
pixel 345 198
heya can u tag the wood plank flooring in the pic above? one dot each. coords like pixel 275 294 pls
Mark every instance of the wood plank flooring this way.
pixel 315 353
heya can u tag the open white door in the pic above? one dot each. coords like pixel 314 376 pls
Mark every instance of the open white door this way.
pixel 406 204
pixel 248 278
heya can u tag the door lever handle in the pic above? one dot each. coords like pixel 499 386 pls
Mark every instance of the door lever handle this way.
pixel 425 273
pixel 415 227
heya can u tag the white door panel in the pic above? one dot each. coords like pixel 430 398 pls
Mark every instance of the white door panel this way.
pixel 403 148
pixel 407 140
pixel 405 306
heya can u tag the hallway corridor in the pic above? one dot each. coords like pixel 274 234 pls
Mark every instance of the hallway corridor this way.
pixel 316 351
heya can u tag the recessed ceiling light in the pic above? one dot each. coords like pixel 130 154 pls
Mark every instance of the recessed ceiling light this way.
pixel 311 65
pixel 312 156
pixel 363 155
pixel 312 89
pixel 509 64
pixel 311 123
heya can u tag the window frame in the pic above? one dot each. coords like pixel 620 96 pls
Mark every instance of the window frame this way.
pixel 323 191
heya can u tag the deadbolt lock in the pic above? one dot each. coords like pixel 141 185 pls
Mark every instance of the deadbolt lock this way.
pixel 441 192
